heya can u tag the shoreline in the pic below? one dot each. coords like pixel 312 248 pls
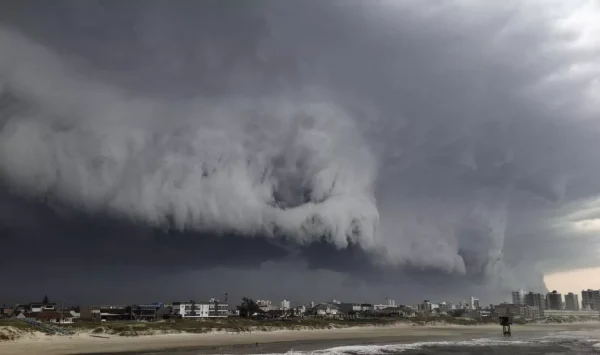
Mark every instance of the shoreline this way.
pixel 220 342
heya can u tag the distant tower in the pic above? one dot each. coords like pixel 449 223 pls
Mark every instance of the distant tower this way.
pixel 555 300
pixel 518 297
pixel 474 304
pixel 572 301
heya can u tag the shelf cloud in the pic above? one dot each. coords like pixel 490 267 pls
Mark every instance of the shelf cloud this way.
pixel 389 143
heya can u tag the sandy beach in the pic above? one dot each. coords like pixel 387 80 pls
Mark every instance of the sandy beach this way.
pixel 237 342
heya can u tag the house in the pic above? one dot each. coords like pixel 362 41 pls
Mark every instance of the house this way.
pixel 7 312
pixel 299 311
pixel 145 312
pixel 211 309
pixel 217 309
pixel 103 313
pixel 478 314
pixel 265 305
pixel 52 317
pixel 325 310
pixel 276 313
pixel 42 307
pixel 350 307
pixel 400 311
pixel 190 310
pixel 366 307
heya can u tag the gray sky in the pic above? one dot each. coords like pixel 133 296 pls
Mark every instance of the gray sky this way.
pixel 297 149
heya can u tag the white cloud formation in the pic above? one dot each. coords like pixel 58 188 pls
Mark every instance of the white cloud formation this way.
pixel 470 127
pixel 269 167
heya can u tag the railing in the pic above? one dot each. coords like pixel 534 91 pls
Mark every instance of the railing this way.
pixel 47 327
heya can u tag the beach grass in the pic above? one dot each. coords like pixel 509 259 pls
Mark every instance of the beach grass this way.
pixel 16 324
pixel 11 329
pixel 242 325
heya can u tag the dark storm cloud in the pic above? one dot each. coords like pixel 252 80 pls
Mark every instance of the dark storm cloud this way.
pixel 391 144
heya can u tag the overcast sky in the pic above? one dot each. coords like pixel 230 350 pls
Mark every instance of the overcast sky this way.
pixel 306 150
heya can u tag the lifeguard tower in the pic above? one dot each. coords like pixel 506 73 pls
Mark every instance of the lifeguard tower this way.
pixel 505 322
pixel 505 316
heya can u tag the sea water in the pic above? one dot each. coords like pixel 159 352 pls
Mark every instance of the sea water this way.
pixel 558 343
pixel 574 342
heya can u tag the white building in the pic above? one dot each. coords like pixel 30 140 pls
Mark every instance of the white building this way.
pixel 191 310
pixel 325 309
pixel 299 310
pixel 474 304
pixel 285 305
pixel 265 305
pixel 389 303
pixel 518 297
pixel 590 299
pixel 216 309
pixel 446 306
pixel 464 305
pixel 41 307
pixel 212 308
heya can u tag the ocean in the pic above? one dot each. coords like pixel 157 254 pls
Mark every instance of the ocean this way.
pixel 548 345
pixel 569 342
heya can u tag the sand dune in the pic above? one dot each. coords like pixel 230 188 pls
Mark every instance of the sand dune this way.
pixel 85 343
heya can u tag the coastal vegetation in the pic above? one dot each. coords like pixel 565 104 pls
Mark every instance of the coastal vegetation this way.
pixel 11 329
pixel 235 325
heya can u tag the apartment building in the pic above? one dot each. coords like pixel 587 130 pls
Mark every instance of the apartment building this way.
pixel 518 297
pixel 554 300
pixel 474 304
pixel 212 308
pixel 571 302
pixel 590 299
pixel 536 300
pixel 190 309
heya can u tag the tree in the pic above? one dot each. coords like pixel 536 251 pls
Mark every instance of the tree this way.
pixel 46 300
pixel 248 308
pixel 292 312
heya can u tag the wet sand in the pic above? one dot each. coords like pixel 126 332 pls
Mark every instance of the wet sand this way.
pixel 268 342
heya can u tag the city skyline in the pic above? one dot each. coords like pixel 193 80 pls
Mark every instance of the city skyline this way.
pixel 585 299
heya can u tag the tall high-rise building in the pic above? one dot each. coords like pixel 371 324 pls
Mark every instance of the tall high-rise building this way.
pixel 285 305
pixel 426 306
pixel 474 304
pixel 554 300
pixel 518 297
pixel 543 302
pixel 537 300
pixel 572 301
pixel 590 299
